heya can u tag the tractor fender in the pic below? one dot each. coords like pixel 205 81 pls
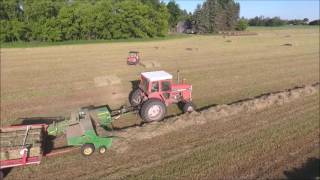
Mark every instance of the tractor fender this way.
pixel 158 96
pixel 156 99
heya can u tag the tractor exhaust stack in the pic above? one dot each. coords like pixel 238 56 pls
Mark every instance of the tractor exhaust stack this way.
pixel 178 76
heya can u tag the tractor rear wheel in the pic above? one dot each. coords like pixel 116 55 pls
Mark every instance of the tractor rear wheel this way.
pixel 135 97
pixel 87 149
pixel 153 110
pixel 189 107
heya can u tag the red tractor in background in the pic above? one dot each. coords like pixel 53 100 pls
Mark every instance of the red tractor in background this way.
pixel 157 91
pixel 133 58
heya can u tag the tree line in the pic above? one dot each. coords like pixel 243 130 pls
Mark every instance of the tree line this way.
pixel 61 20
pixel 277 21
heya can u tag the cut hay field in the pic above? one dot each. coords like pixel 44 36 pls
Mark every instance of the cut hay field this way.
pixel 54 80
pixel 265 143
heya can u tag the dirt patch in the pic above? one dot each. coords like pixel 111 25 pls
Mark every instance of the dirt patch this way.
pixel 150 130
pixel 102 81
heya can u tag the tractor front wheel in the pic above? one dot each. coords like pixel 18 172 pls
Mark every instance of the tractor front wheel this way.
pixel 153 110
pixel 135 97
pixel 189 107
pixel 87 149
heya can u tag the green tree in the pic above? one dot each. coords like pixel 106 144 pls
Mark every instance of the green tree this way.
pixel 242 25
pixel 175 13
pixel 216 15
pixel 60 20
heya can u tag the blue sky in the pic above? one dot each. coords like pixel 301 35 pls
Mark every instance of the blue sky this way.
pixel 286 9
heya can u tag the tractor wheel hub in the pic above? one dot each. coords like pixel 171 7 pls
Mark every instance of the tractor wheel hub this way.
pixel 154 111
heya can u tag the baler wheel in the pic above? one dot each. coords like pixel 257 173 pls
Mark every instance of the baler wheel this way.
pixel 102 149
pixel 87 149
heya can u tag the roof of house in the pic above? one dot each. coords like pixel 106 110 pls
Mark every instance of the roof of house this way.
pixel 156 75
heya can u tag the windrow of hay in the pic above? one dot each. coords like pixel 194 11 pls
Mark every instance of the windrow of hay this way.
pixel 150 130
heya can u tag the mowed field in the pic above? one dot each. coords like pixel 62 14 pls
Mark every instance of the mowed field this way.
pixel 53 81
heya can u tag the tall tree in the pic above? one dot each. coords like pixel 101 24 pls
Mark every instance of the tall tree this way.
pixel 216 15
pixel 175 13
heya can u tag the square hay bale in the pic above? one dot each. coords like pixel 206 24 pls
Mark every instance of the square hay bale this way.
pixel 114 80
pixel 287 44
pixel 102 81
pixel 146 64
pixel 14 153
pixel 156 64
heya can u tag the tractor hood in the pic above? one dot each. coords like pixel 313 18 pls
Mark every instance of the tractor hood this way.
pixel 181 87
pixel 132 59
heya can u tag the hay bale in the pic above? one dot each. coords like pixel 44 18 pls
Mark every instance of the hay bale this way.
pixel 188 49
pixel 287 44
pixel 6 154
pixel 229 41
pixel 238 33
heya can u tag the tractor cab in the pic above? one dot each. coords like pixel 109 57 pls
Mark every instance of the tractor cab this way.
pixel 156 82
pixel 156 89
pixel 133 58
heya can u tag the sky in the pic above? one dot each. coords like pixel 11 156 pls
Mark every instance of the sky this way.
pixel 285 9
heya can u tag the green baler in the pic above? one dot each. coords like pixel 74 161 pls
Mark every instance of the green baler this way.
pixel 87 128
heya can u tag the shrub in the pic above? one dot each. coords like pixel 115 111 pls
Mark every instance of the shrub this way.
pixel 242 25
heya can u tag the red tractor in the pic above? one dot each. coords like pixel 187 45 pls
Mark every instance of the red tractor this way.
pixel 157 91
pixel 133 58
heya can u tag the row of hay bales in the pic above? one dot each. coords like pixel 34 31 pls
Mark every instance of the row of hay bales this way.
pixel 237 33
